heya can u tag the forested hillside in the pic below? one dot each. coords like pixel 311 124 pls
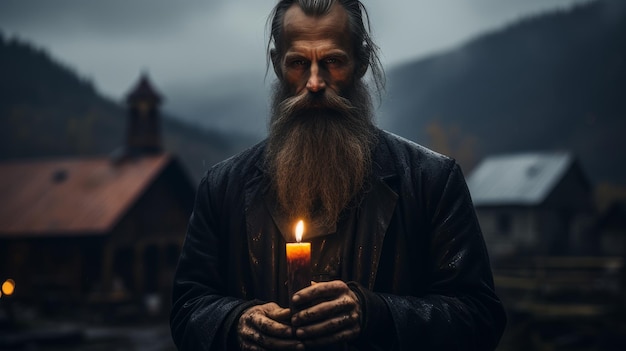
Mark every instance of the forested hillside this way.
pixel 552 82
pixel 48 110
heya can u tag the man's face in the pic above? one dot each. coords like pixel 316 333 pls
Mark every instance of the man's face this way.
pixel 318 52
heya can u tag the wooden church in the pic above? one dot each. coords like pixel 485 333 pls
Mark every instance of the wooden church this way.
pixel 100 231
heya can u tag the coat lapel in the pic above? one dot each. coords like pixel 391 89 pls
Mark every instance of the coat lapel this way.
pixel 375 214
pixel 264 242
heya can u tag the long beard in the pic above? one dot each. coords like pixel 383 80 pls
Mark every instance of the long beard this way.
pixel 319 151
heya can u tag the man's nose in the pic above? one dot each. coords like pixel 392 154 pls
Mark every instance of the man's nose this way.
pixel 316 82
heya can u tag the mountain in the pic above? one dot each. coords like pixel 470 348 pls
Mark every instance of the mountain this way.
pixel 47 110
pixel 240 104
pixel 554 81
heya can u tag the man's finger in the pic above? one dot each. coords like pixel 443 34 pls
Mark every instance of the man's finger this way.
pixel 332 326
pixel 323 310
pixel 342 336
pixel 253 340
pixel 325 290
pixel 280 314
pixel 268 326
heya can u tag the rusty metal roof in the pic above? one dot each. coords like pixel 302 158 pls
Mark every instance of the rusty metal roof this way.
pixel 71 196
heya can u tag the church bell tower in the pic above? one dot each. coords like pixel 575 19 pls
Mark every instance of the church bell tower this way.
pixel 143 132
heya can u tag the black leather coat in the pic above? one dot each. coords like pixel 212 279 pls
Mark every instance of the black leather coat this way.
pixel 417 255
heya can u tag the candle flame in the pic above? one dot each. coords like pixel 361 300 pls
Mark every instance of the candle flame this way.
pixel 299 230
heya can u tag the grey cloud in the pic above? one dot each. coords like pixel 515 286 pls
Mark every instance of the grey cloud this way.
pixel 102 18
pixel 194 41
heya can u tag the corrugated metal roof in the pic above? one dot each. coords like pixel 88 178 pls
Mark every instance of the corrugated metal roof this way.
pixel 521 179
pixel 39 198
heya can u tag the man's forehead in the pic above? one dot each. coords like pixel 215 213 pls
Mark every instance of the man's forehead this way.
pixel 297 22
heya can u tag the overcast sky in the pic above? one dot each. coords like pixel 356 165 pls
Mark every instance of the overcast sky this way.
pixel 198 41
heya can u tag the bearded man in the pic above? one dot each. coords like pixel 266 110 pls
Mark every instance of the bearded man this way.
pixel 398 259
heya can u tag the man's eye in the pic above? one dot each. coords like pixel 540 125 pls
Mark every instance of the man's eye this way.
pixel 331 61
pixel 298 63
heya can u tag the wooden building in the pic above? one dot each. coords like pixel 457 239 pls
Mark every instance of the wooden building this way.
pixel 560 278
pixel 86 231
pixel 533 203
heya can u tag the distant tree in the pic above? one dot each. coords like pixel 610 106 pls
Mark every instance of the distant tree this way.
pixel 80 132
pixel 452 141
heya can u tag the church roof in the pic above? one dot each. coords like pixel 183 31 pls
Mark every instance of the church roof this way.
pixel 144 90
pixel 520 179
pixel 72 196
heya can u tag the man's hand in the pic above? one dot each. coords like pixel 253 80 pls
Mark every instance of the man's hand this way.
pixel 266 327
pixel 328 313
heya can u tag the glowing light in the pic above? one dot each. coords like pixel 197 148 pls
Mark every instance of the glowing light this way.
pixel 299 231
pixel 8 287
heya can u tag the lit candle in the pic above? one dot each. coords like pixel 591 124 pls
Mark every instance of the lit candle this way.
pixel 298 262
